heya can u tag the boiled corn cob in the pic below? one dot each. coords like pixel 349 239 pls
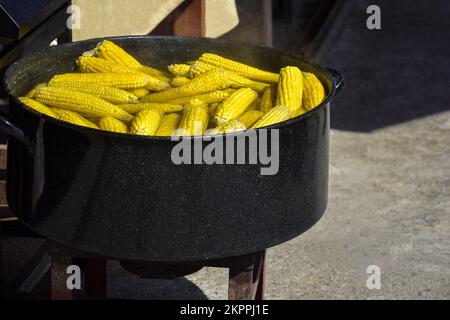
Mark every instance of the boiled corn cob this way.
pixel 210 97
pixel 140 92
pixel 267 99
pixel 235 105
pixel 110 51
pixel 112 124
pixel 194 120
pixel 238 81
pixel 117 80
pixel 32 92
pixel 254 104
pixel 239 68
pixel 146 122
pixel 275 115
pixel 179 81
pixel 111 94
pixel 134 108
pixel 36 105
pixel 91 64
pixel 168 125
pixel 248 118
pixel 290 89
pixel 313 91
pixel 227 127
pixel 80 102
pixel 179 70
pixel 199 67
pixel 73 117
pixel 210 81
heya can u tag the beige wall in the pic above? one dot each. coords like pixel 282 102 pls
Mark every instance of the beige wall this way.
pixel 134 17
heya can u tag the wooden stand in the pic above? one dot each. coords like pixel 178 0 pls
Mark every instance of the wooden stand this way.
pixel 246 273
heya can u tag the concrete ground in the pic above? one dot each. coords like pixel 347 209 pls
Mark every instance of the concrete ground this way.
pixel 389 199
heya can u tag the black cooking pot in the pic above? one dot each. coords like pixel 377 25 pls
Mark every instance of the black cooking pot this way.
pixel 122 195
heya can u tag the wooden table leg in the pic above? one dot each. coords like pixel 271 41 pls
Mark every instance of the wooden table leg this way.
pixel 95 279
pixel 246 277
pixel 59 276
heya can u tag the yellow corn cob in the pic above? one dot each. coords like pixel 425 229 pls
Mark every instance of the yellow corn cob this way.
pixel 36 105
pixel 227 127
pixel 32 92
pixel 91 64
pixel 275 115
pixel 235 105
pixel 134 108
pixel 179 70
pixel 112 124
pixel 210 97
pixel 254 104
pixel 212 80
pixel 110 51
pixel 313 91
pixel 140 92
pixel 111 94
pixel 239 68
pixel 73 117
pixel 238 81
pixel 80 102
pixel 117 80
pixel 248 118
pixel 146 122
pixel 168 125
pixel 290 89
pixel 199 67
pixel 179 81
pixel 194 120
pixel 267 99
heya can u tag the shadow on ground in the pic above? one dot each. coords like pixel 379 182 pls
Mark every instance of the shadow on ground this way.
pixel 395 74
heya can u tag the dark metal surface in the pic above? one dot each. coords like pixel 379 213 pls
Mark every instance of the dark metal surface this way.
pixel 122 196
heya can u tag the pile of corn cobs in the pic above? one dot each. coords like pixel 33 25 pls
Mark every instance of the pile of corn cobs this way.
pixel 211 95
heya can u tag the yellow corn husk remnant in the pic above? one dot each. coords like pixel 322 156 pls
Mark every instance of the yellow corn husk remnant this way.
pixel 235 105
pixel 179 69
pixel 168 125
pixel 238 81
pixel 248 118
pixel 210 81
pixel 232 125
pixel 108 50
pixel 117 80
pixel 111 94
pixel 112 124
pixel 194 120
pixel 239 68
pixel 313 91
pixel 290 89
pixel 140 92
pixel 32 92
pixel 268 99
pixel 198 67
pixel 134 108
pixel 80 102
pixel 275 115
pixel 146 122
pixel 179 81
pixel 210 97
pixel 38 106
pixel 73 117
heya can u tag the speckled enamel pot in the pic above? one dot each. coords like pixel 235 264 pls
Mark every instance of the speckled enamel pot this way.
pixel 121 195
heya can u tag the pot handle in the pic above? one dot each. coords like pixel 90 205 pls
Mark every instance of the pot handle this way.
pixel 338 80
pixel 11 130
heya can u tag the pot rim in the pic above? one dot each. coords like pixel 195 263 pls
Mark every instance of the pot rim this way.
pixel 10 70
